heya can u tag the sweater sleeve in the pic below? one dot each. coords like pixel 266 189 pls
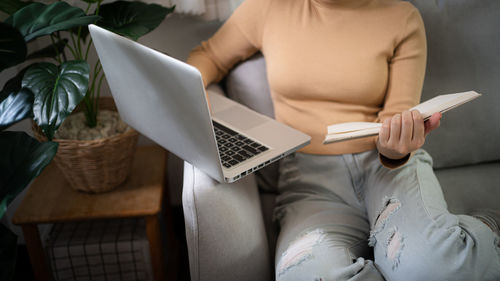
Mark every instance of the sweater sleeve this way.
pixel 238 38
pixel 406 75
pixel 406 68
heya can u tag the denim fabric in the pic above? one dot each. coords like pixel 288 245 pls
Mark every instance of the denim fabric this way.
pixel 346 217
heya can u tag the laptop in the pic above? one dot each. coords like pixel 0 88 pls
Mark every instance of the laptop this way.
pixel 164 99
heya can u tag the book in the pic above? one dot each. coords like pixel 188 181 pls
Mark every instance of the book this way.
pixel 354 130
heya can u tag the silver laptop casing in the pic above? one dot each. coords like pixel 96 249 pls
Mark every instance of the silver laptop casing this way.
pixel 165 100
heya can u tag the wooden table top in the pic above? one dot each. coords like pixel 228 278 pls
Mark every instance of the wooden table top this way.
pixel 50 198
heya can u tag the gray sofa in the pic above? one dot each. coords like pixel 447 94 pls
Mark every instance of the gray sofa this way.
pixel 229 230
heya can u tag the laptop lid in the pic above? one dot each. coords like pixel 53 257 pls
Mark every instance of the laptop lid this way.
pixel 161 97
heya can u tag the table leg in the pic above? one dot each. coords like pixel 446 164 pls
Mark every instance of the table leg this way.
pixel 171 249
pixel 35 251
pixel 155 247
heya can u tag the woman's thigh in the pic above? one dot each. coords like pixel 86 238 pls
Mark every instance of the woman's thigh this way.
pixel 413 234
pixel 324 228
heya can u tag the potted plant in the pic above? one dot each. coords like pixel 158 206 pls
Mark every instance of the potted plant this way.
pixel 49 92
pixel 59 87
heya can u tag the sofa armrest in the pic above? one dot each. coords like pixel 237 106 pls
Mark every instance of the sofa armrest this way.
pixel 224 228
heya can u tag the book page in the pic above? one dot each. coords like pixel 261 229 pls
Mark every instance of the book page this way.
pixel 444 103
pixel 351 127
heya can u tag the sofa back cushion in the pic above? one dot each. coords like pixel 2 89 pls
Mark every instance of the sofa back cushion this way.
pixel 247 84
pixel 463 54
pixel 463 41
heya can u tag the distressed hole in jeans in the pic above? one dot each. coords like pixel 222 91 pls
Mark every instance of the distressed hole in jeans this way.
pixel 394 247
pixel 391 205
pixel 300 250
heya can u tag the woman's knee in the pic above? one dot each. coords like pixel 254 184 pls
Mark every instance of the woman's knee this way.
pixel 316 256
pixel 463 251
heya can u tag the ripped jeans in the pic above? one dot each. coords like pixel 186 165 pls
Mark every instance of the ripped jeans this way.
pixel 346 217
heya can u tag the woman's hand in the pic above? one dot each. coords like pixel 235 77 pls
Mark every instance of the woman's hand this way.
pixel 405 133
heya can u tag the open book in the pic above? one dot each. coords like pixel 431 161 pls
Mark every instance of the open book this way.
pixel 353 130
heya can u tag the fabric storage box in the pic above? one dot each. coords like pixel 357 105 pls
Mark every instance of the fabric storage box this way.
pixel 99 250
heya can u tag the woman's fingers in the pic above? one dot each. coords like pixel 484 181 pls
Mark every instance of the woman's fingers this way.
pixel 404 133
pixel 384 133
pixel 406 127
pixel 395 131
pixel 418 129
pixel 433 122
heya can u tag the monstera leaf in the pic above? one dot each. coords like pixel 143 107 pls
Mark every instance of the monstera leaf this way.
pixel 12 46
pixel 132 19
pixel 23 159
pixel 16 107
pixel 11 6
pixel 57 90
pixel 38 19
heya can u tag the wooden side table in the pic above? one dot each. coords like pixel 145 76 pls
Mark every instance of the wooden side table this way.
pixel 51 200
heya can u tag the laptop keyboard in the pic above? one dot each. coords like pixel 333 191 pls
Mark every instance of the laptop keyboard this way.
pixel 235 148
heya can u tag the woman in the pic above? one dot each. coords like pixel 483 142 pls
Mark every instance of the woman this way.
pixel 334 61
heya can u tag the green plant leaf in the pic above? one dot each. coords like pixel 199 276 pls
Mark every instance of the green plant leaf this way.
pixel 23 159
pixel 11 6
pixel 132 19
pixel 12 46
pixel 49 51
pixel 38 19
pixel 8 253
pixel 57 91
pixel 16 107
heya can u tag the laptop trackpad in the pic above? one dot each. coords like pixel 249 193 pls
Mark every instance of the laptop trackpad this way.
pixel 240 117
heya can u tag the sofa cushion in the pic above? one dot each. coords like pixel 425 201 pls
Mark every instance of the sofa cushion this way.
pixel 247 84
pixel 463 54
pixel 471 187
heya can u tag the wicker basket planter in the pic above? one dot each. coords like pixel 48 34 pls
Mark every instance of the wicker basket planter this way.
pixel 95 165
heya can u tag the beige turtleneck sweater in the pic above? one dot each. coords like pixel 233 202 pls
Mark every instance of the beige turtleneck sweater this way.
pixel 328 61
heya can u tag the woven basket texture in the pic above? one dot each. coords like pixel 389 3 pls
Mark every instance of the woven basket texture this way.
pixel 95 165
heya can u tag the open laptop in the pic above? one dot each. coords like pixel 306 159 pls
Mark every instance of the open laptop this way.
pixel 165 100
